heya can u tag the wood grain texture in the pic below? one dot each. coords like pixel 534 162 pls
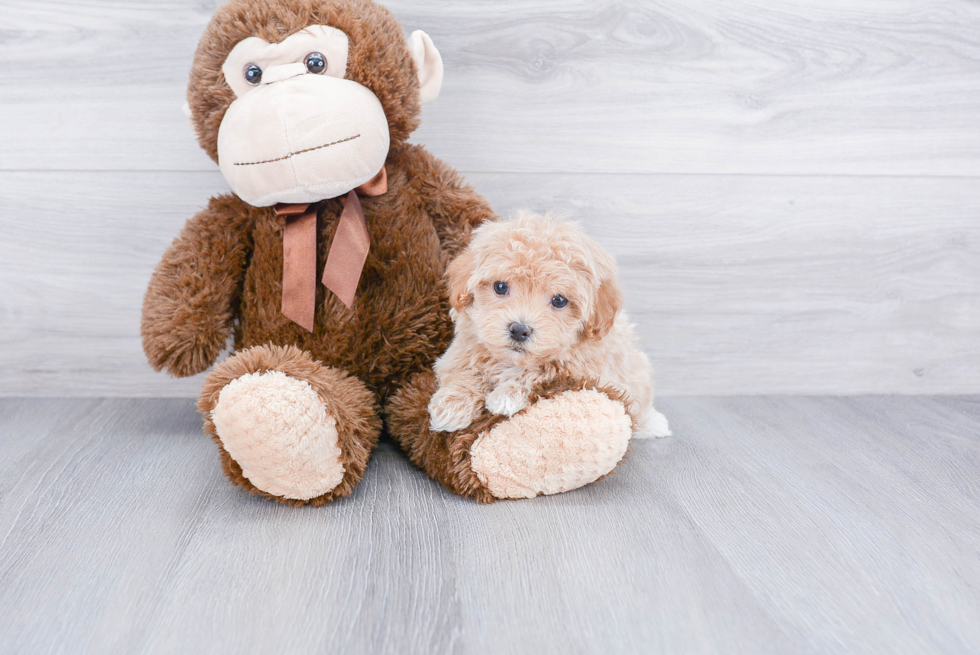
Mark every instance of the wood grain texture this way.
pixel 739 284
pixel 830 87
pixel 789 187
pixel 804 525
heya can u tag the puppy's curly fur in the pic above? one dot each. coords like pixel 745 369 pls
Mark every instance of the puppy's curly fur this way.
pixel 534 299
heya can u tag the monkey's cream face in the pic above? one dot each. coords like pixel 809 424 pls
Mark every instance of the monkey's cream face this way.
pixel 298 132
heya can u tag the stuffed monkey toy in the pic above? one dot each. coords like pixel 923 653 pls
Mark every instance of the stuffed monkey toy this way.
pixel 326 267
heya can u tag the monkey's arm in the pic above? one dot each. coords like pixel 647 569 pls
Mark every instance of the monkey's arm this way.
pixel 190 304
pixel 454 206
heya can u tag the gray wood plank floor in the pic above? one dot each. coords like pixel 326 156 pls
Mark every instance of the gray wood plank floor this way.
pixel 768 524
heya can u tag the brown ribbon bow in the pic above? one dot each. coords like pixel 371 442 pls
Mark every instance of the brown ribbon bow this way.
pixel 346 258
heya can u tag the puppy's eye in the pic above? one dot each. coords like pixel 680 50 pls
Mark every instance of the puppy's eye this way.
pixel 501 288
pixel 253 74
pixel 316 63
pixel 559 301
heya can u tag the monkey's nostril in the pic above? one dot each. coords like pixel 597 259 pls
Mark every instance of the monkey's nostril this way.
pixel 520 332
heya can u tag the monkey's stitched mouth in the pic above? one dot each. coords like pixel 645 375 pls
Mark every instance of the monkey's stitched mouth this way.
pixel 300 152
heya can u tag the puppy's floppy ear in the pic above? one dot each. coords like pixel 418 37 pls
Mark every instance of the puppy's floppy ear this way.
pixel 607 304
pixel 608 299
pixel 458 273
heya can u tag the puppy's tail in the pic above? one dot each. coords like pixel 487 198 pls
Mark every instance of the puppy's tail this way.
pixel 652 425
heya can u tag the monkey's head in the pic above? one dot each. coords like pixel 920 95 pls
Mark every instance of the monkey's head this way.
pixel 300 100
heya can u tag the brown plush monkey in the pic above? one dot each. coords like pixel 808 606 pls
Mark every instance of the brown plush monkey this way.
pixel 307 106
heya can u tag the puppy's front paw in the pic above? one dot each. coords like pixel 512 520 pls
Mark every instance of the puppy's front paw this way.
pixel 505 402
pixel 452 409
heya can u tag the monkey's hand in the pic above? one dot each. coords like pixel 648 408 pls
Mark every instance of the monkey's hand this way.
pixel 189 306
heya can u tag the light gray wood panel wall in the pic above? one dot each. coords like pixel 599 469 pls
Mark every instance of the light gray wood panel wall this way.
pixel 739 284
pixel 791 188
pixel 830 87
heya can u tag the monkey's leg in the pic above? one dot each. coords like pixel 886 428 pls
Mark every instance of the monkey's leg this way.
pixel 287 427
pixel 570 435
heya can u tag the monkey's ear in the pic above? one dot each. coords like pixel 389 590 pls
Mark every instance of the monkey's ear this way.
pixel 608 302
pixel 459 273
pixel 428 61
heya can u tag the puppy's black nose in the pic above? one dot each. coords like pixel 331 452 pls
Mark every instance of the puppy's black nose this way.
pixel 520 332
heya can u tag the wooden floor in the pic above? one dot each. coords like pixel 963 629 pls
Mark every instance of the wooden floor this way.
pixel 768 524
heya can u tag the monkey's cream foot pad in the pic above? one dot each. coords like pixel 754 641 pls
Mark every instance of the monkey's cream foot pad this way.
pixel 278 430
pixel 556 445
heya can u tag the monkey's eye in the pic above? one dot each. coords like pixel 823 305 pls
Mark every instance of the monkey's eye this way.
pixel 316 63
pixel 559 301
pixel 253 74
pixel 501 288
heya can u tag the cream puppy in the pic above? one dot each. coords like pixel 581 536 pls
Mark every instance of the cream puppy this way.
pixel 533 298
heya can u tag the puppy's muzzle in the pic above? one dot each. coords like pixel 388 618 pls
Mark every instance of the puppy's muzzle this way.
pixel 520 332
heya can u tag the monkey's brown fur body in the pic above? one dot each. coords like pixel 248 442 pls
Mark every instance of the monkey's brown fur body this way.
pixel 399 323
pixel 222 277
